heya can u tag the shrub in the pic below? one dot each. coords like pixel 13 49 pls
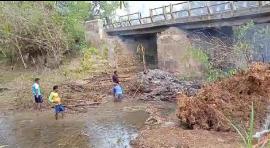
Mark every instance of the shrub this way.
pixel 28 31
pixel 211 73
pixel 39 33
pixel 88 58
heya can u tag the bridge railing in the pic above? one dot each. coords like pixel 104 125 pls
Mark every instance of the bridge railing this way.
pixel 183 10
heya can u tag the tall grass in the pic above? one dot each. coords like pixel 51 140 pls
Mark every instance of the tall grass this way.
pixel 247 135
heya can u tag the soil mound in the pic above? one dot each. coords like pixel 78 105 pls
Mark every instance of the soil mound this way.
pixel 228 100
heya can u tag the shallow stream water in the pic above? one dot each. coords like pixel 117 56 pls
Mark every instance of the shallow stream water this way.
pixel 110 125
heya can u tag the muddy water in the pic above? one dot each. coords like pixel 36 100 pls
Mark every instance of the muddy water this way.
pixel 110 125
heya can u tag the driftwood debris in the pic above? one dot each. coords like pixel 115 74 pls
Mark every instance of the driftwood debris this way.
pixel 84 104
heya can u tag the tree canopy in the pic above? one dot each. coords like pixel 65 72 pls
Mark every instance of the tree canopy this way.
pixel 47 29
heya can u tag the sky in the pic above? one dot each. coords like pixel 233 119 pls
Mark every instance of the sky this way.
pixel 144 6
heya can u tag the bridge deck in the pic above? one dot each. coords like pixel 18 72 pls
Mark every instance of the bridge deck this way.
pixel 231 14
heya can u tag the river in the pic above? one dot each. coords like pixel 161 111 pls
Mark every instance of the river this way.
pixel 110 125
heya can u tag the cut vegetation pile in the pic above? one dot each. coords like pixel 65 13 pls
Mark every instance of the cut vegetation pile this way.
pixel 92 91
pixel 228 100
pixel 97 89
pixel 161 85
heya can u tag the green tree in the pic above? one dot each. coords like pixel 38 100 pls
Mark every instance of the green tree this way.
pixel 108 8
pixel 77 14
pixel 30 30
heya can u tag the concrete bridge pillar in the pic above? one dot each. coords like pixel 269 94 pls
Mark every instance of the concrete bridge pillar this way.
pixel 94 31
pixel 173 53
pixel 120 51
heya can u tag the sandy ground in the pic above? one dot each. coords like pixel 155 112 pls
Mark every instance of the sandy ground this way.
pixel 169 134
pixel 168 137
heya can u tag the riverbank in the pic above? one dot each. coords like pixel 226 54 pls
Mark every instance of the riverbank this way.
pixel 138 121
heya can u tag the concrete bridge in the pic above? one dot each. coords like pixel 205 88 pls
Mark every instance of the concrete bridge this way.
pixel 168 32
pixel 191 15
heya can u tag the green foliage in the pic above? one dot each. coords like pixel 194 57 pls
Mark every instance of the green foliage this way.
pixel 231 72
pixel 27 29
pixel 104 49
pixel 247 135
pixel 240 54
pixel 242 47
pixel 212 74
pixel 242 30
pixel 87 60
pixel 108 8
pixel 35 29
pixel 106 52
pixel 199 55
pixel 74 20
pixel 215 73
pixel 251 128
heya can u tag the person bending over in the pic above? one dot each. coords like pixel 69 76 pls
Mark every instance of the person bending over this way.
pixel 118 93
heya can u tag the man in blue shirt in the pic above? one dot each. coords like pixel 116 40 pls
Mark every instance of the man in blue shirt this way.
pixel 117 92
pixel 37 94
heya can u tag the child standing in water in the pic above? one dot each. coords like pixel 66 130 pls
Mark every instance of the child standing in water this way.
pixel 54 98
pixel 117 92
pixel 37 94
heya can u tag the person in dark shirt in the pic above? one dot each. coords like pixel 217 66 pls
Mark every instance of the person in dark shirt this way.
pixel 115 78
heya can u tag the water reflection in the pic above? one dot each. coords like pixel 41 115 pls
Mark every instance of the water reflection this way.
pixel 115 130
pixel 104 127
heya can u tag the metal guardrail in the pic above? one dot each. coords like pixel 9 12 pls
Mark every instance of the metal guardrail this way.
pixel 182 10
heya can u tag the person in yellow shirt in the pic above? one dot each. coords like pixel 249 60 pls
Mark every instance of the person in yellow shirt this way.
pixel 54 98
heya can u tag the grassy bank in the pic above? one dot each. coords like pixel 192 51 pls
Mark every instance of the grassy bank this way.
pixel 16 84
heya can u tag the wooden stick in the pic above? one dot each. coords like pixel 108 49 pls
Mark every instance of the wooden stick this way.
pixel 86 104
pixel 20 52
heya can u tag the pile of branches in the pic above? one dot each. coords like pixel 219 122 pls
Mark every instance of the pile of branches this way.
pixel 158 85
pixel 224 52
pixel 30 33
